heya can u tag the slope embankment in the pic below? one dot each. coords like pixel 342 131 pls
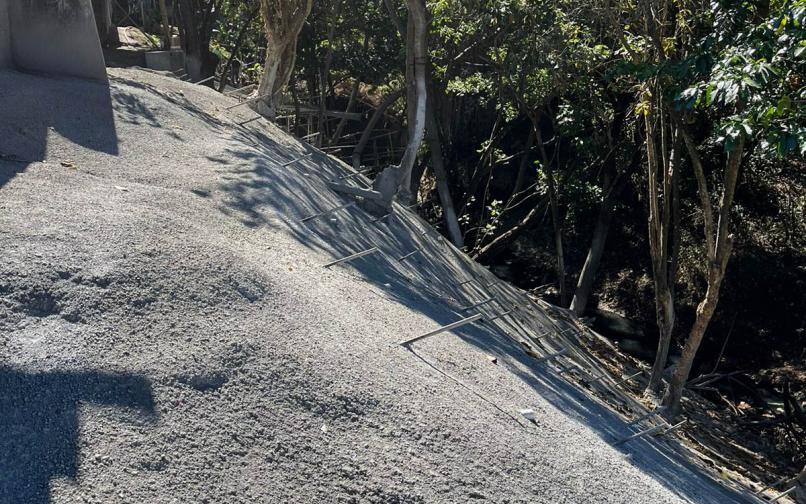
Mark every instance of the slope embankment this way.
pixel 168 333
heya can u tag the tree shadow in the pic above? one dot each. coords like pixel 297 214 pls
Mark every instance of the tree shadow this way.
pixel 77 110
pixel 39 423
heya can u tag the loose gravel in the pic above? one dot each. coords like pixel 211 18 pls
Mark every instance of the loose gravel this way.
pixel 168 333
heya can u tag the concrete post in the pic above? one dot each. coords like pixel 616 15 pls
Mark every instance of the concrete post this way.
pixel 51 37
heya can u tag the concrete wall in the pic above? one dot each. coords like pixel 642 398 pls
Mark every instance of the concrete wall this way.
pixel 55 37
pixel 5 36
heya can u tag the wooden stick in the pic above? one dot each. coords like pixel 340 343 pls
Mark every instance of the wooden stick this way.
pixel 351 257
pixel 454 325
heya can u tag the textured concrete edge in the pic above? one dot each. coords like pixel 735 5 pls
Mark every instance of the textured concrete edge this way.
pixel 56 38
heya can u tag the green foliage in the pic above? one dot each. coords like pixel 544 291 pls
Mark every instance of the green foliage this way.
pixel 753 84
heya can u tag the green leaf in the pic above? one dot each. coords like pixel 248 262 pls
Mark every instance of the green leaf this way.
pixel 709 94
pixel 752 82
pixel 784 104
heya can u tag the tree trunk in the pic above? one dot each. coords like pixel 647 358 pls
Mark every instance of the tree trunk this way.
pixel 661 172
pixel 350 103
pixel 271 80
pixel 283 22
pixel 197 24
pixel 166 27
pixel 437 161
pixel 720 246
pixel 373 121
pixel 417 12
pixel 600 231
pixel 107 31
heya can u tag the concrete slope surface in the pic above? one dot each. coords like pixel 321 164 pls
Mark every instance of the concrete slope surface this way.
pixel 168 333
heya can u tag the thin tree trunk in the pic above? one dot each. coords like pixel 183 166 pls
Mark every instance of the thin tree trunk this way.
pixel 555 214
pixel 373 121
pixel 501 241
pixel 661 169
pixel 235 48
pixel 432 136
pixel 523 167
pixel 350 103
pixel 594 257
pixel 166 28
pixel 410 75
pixel 324 76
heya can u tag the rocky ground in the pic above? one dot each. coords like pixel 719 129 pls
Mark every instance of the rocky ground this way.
pixel 168 332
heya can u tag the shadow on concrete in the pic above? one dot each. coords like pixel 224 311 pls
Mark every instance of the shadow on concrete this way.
pixel 82 114
pixel 39 424
pixel 261 191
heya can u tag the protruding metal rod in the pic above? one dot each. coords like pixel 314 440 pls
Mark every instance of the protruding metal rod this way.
pixel 674 427
pixel 644 417
pixel 354 174
pixel 382 217
pixel 205 80
pixel 351 257
pixel 250 100
pixel 328 212
pixel 625 380
pixel 480 303
pixel 597 378
pixel 784 494
pixel 544 334
pixel 500 315
pixel 552 356
pixel 642 433
pixel 763 489
pixel 238 90
pixel 289 163
pixel 458 323
pixel 418 249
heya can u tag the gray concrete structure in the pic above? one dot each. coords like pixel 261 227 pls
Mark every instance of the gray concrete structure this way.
pixel 5 36
pixel 51 37
pixel 167 61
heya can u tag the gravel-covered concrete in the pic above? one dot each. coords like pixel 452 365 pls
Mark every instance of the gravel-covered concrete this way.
pixel 168 333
